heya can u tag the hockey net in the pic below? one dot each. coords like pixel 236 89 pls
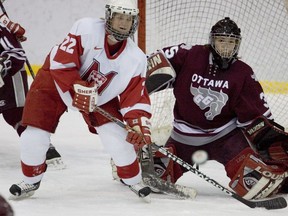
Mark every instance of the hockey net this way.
pixel 264 28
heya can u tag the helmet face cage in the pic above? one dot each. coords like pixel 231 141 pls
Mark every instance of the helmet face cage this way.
pixel 111 10
pixel 228 45
pixel 227 32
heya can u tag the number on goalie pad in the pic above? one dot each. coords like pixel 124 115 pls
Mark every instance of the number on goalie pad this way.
pixel 256 180
pixel 269 140
pixel 159 72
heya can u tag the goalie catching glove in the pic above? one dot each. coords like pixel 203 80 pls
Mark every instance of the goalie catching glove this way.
pixel 139 134
pixel 85 97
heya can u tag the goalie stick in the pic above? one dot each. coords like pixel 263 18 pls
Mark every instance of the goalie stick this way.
pixel 27 62
pixel 149 178
pixel 273 203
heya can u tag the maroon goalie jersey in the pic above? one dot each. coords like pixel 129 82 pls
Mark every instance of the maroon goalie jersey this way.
pixel 210 101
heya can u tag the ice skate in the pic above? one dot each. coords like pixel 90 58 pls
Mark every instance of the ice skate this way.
pixel 54 159
pixel 23 190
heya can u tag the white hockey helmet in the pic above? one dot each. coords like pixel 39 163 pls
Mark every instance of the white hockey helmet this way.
pixel 128 7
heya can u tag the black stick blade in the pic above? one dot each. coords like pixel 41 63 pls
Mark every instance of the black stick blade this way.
pixel 275 203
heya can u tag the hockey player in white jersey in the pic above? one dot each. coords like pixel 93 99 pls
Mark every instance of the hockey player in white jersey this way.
pixel 97 64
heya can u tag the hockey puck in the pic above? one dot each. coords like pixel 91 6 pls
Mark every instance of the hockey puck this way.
pixel 199 157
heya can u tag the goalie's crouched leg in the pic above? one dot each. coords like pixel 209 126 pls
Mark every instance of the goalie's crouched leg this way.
pixel 252 178
pixel 165 168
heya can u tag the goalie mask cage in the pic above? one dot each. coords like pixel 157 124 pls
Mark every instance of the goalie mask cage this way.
pixel 263 25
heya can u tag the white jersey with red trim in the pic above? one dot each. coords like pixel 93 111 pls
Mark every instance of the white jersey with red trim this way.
pixel 84 52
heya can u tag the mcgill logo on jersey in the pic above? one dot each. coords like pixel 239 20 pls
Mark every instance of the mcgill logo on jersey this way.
pixel 101 80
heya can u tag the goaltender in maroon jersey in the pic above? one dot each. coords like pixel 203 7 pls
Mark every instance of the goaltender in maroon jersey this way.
pixel 217 98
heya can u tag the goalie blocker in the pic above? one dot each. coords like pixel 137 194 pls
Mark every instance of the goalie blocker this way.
pixel 159 71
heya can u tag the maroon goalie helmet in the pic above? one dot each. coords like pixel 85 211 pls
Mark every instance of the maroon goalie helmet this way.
pixel 5 208
pixel 225 39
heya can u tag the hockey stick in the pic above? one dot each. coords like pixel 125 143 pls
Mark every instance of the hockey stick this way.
pixel 149 178
pixel 27 62
pixel 273 203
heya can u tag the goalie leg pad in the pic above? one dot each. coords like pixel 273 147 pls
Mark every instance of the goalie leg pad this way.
pixel 255 179
pixel 163 166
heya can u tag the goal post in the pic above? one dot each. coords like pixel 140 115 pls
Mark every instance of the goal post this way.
pixel 264 30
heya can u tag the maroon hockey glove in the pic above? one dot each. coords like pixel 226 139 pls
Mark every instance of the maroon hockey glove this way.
pixel 85 97
pixel 140 134
pixel 14 28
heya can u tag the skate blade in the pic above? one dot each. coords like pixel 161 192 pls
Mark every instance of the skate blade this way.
pixel 22 196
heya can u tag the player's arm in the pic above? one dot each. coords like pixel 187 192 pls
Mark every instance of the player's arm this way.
pixel 135 107
pixel 251 101
pixel 12 57
pixel 14 28
pixel 136 111
pixel 64 61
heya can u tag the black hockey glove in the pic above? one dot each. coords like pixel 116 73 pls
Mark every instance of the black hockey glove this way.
pixel 269 140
